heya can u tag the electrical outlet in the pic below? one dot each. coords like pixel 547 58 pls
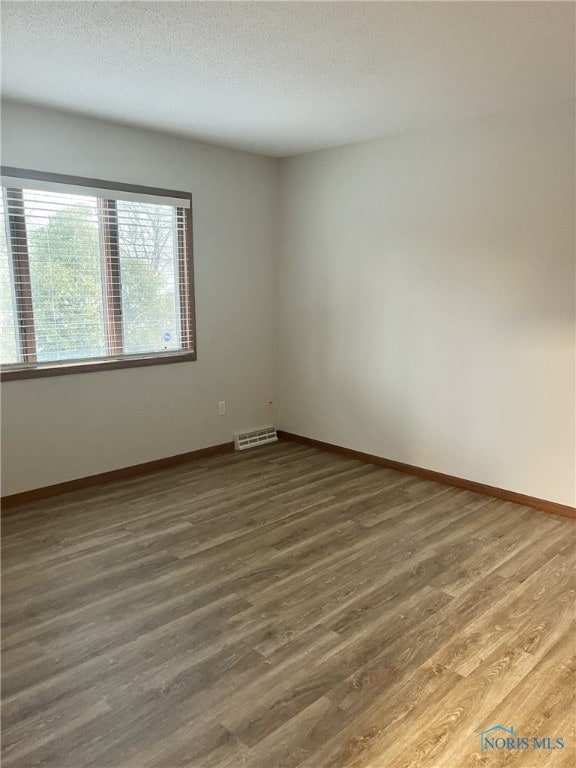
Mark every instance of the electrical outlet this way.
pixel 222 408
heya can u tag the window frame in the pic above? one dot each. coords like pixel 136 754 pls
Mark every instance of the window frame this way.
pixel 30 368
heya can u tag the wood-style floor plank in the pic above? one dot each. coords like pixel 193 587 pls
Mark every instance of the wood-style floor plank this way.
pixel 284 608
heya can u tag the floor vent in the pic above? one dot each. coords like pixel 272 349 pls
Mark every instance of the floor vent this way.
pixel 243 440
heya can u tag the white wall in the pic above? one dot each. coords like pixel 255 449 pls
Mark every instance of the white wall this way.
pixel 61 428
pixel 427 300
pixel 426 303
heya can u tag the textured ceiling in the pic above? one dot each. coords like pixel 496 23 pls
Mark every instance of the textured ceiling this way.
pixel 286 77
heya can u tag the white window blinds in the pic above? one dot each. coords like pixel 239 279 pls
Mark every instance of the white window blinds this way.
pixel 93 274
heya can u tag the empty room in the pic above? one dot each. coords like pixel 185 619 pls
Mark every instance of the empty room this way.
pixel 288 362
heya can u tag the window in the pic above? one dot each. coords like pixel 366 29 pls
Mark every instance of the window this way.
pixel 93 275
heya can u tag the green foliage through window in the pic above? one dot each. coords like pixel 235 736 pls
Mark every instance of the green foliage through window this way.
pixel 67 242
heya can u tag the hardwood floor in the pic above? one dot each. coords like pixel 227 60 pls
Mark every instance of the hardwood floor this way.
pixel 284 607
